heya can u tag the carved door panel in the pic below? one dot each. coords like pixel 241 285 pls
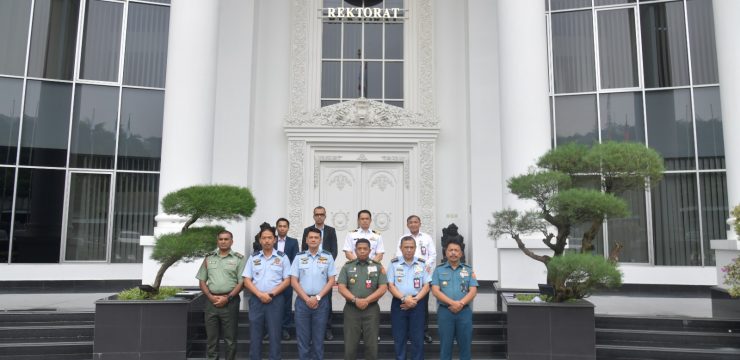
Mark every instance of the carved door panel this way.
pixel 348 187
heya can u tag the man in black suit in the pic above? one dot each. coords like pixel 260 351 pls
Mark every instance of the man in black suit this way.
pixel 289 246
pixel 328 243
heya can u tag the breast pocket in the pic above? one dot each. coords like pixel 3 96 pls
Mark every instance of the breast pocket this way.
pixel 445 280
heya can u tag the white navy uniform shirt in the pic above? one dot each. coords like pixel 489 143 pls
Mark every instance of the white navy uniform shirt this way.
pixel 376 241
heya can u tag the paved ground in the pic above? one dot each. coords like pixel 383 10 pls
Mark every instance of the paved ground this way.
pixel 612 304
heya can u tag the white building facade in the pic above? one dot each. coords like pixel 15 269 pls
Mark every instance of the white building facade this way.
pixel 421 107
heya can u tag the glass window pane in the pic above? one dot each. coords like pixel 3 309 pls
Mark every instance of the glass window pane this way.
pixel 374 79
pixel 373 41
pixel 703 45
pixel 618 49
pixel 7 179
pixel 352 41
pixel 101 42
pixel 329 102
pixel 622 117
pixel 45 124
pixel 331 42
pixel 575 119
pixel 394 41
pixel 612 2
pixel 664 51
pixel 330 78
pixel 714 210
pixel 569 4
pixel 573 52
pixel 351 84
pixel 676 221
pixel 94 127
pixel 135 209
pixel 709 135
pixel 669 127
pixel 147 34
pixel 11 91
pixel 395 103
pixel 14 17
pixel 394 80
pixel 53 39
pixel 87 217
pixel 38 216
pixel 140 132
pixel 631 231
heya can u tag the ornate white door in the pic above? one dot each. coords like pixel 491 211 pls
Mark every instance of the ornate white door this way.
pixel 347 187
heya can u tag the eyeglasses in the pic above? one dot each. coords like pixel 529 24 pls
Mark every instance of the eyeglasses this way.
pixel 319 214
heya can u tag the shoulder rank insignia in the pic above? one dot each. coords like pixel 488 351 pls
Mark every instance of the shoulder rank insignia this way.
pixel 238 255
pixel 420 260
pixel 325 252
pixel 280 253
pixel 395 260
pixel 300 253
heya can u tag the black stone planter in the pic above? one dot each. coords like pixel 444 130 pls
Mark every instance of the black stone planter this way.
pixel 552 331
pixel 145 329
pixel 723 305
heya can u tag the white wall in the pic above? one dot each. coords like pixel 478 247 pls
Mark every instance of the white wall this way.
pixel 451 93
pixel 267 162
pixel 484 148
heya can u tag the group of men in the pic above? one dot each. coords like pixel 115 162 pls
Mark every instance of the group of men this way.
pixel 276 269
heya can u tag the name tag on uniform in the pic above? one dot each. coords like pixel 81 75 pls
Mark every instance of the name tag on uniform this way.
pixel 368 284
pixel 372 268
pixel 417 283
pixel 423 250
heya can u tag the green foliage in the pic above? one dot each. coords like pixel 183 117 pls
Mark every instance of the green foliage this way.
pixel 625 166
pixel 137 294
pixel 568 158
pixel 186 245
pixel 581 205
pixel 210 202
pixel 736 215
pixel 509 222
pixel 207 202
pixel 539 186
pixel 732 276
pixel 575 276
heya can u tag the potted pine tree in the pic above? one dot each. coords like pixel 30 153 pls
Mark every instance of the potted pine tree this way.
pixel 152 322
pixel 562 325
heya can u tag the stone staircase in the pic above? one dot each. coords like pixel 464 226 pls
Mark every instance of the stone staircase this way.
pixel 52 335
pixel 46 335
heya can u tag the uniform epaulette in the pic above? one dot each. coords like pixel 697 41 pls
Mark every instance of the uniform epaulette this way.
pixel 237 254
pixel 325 252
pixel 376 232
pixel 280 253
pixel 300 253
pixel 421 260
pixel 351 261
pixel 256 253
pixel 395 260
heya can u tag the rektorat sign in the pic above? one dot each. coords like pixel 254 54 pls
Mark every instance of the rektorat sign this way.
pixel 363 13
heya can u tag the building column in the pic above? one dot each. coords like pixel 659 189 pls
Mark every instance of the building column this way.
pixel 726 29
pixel 189 103
pixel 525 123
pixel 525 114
pixel 728 56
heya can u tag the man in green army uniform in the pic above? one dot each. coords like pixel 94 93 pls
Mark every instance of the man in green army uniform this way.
pixel 362 282
pixel 220 278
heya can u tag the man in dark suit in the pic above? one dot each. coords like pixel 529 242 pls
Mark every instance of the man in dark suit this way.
pixel 289 246
pixel 328 243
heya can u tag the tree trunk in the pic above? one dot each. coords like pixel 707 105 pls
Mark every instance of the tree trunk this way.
pixel 160 274
pixel 587 244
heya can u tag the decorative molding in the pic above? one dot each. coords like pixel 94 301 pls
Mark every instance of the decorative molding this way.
pixel 340 220
pixel 361 113
pixel 426 185
pixel 340 181
pixel 300 14
pixel 382 182
pixel 425 40
pixel 317 166
pixel 382 221
pixel 405 161
pixel 296 155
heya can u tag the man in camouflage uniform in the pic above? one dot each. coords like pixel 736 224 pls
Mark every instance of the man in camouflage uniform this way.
pixel 221 281
pixel 362 282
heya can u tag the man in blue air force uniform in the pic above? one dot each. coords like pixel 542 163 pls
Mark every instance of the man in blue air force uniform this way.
pixel 266 276
pixel 408 282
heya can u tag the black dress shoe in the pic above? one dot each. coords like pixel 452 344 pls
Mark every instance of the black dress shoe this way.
pixel 427 338
pixel 286 335
pixel 329 335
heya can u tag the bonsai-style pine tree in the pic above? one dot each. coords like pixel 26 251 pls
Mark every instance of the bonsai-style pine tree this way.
pixel 200 202
pixel 565 199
